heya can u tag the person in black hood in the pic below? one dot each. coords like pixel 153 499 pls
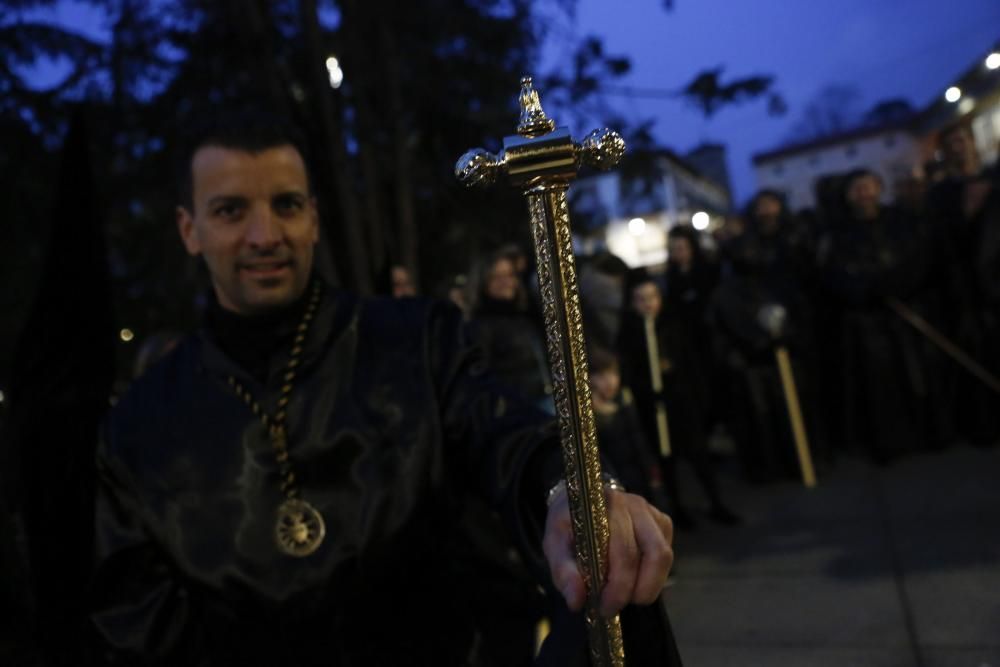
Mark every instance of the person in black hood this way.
pixel 690 281
pixel 873 255
pixel 619 432
pixel 669 372
pixel 964 211
pixel 757 308
pixel 511 331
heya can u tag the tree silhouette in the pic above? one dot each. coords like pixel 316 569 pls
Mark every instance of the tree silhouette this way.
pixel 710 95
pixel 888 112
pixel 421 85
pixel 833 110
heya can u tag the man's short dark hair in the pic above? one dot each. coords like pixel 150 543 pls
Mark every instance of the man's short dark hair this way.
pixel 251 131
pixel 602 360
pixel 856 174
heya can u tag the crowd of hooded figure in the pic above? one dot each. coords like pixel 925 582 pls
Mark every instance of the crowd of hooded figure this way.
pixel 885 311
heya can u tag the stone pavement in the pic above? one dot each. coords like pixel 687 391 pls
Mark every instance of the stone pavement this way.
pixel 875 567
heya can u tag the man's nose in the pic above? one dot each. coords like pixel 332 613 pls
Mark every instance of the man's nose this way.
pixel 264 230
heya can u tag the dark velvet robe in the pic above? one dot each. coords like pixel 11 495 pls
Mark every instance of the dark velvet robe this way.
pixel 515 349
pixel 966 284
pixel 766 270
pixel 864 263
pixel 393 424
pixel 685 395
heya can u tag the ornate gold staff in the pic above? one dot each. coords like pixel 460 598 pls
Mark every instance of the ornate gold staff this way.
pixel 541 160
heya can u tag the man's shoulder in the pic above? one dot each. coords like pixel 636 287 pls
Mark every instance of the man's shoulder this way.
pixel 148 403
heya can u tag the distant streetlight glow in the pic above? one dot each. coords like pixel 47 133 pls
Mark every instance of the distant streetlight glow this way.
pixel 700 221
pixel 335 72
pixel 966 105
pixel 637 226
pixel 126 335
pixel 2 397
pixel 993 61
pixel 953 94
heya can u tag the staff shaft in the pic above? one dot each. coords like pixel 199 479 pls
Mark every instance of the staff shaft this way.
pixel 795 416
pixel 557 279
pixel 957 354
pixel 656 378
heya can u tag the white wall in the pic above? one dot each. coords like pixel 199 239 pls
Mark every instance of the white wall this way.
pixel 888 154
pixel 986 129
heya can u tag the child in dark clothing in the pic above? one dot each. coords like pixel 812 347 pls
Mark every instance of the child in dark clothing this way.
pixel 618 431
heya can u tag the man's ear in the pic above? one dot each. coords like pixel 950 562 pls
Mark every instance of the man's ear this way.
pixel 185 225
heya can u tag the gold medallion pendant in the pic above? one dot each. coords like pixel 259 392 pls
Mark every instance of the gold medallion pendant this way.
pixel 300 529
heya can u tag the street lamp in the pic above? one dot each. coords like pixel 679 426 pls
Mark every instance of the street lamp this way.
pixel 126 335
pixel 334 70
pixel 700 221
pixel 637 226
pixel 993 61
pixel 953 94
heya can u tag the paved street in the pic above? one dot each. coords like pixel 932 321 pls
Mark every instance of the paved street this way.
pixel 876 567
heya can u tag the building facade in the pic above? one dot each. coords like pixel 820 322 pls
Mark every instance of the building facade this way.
pixel 630 210
pixel 892 152
pixel 897 151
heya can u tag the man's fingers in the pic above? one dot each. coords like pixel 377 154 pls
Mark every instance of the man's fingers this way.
pixel 558 547
pixel 639 553
pixel 656 555
pixel 623 557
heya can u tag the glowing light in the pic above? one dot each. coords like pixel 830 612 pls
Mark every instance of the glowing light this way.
pixel 334 70
pixel 637 226
pixel 953 94
pixel 2 397
pixel 993 61
pixel 966 105
pixel 700 220
pixel 126 335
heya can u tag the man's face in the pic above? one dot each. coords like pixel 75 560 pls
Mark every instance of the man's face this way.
pixel 605 385
pixel 401 283
pixel 958 145
pixel 502 283
pixel 255 224
pixel 679 252
pixel 646 299
pixel 767 211
pixel 863 196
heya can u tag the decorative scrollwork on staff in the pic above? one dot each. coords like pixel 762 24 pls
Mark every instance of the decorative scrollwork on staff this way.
pixel 541 160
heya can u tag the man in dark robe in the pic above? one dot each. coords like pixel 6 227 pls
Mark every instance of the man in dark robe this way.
pixel 283 487
pixel 762 304
pixel 683 394
pixel 876 254
pixel 964 212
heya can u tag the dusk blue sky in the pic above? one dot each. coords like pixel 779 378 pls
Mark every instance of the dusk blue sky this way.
pixel 886 48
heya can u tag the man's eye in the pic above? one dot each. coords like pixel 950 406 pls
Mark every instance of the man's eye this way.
pixel 288 204
pixel 227 210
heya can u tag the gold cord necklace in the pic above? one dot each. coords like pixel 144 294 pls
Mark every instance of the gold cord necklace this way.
pixel 299 528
